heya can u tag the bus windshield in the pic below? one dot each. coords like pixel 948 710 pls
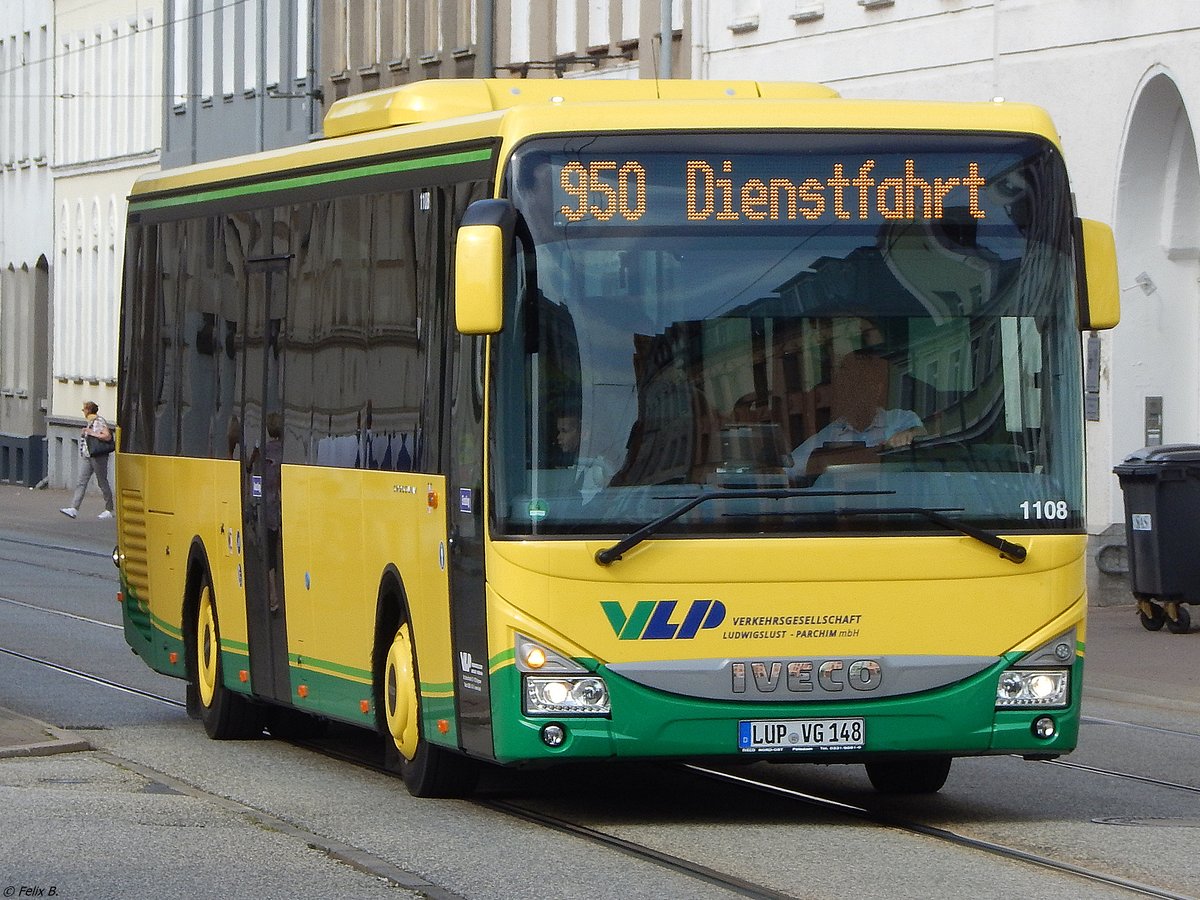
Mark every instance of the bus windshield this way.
pixel 845 327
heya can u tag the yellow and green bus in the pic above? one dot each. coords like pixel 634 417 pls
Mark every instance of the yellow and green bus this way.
pixel 537 421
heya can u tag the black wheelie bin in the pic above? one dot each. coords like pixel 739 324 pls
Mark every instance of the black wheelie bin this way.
pixel 1161 487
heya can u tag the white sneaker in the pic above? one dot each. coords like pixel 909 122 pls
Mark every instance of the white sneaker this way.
pixel 107 514
pixel 69 511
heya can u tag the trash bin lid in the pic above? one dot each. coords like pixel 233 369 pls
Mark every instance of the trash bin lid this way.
pixel 1149 459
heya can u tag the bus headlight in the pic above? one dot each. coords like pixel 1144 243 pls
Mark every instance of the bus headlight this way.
pixel 558 695
pixel 1033 688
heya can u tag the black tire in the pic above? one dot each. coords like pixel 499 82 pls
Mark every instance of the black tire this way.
pixel 227 715
pixel 427 769
pixel 1182 624
pixel 1155 620
pixel 920 775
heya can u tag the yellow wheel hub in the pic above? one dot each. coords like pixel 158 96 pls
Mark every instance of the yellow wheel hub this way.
pixel 400 694
pixel 207 648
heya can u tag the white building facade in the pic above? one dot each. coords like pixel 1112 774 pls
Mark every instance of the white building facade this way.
pixel 108 129
pixel 26 235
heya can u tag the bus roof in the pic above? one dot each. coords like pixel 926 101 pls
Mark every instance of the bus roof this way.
pixel 451 98
pixel 463 111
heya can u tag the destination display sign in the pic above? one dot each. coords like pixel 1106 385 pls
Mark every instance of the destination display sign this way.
pixel 658 189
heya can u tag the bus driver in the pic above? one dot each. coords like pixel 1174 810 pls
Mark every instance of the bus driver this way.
pixel 860 385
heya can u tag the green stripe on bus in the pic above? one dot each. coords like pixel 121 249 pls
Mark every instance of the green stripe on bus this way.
pixel 166 627
pixel 301 181
pixel 338 670
pixel 324 665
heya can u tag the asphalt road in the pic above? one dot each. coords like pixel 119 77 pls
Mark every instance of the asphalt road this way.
pixel 156 808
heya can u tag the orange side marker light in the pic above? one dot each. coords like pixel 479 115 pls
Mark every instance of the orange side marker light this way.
pixel 364 705
pixel 443 726
pixel 173 657
pixel 302 691
pixel 243 676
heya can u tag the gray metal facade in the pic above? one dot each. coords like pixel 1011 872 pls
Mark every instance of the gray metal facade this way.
pixel 240 77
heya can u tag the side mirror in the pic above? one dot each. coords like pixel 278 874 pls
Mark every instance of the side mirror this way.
pixel 482 257
pixel 1098 289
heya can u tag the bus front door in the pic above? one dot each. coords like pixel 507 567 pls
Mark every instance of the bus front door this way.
pixel 262 456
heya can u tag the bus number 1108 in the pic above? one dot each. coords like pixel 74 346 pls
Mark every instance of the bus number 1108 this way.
pixel 1046 509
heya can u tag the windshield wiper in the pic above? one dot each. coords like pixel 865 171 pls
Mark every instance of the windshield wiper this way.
pixel 1008 550
pixel 610 555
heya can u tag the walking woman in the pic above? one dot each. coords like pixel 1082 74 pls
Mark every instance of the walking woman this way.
pixel 95 444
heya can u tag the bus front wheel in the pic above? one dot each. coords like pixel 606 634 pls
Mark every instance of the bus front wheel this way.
pixel 226 714
pixel 427 769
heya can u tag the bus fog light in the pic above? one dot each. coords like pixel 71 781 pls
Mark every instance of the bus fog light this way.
pixel 553 735
pixel 534 656
pixel 1044 727
pixel 551 695
pixel 1033 687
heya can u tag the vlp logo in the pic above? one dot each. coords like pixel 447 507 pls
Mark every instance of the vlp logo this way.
pixel 467 663
pixel 657 620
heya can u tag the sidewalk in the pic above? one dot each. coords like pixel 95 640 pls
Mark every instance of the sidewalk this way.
pixel 21 736
pixel 1124 662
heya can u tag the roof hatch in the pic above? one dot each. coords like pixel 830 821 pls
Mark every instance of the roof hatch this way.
pixel 450 98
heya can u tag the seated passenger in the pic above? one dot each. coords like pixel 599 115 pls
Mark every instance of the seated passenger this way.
pixel 592 473
pixel 860 387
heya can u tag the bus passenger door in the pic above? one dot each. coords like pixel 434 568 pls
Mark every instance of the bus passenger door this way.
pixel 262 455
pixel 468 617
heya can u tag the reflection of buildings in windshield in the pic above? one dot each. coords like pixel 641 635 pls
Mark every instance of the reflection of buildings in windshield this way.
pixel 670 438
pixel 731 395
pixel 560 379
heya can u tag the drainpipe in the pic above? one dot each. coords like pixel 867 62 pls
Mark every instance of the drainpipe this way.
pixel 664 46
pixel 487 38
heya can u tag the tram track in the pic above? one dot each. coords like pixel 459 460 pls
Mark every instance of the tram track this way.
pixel 89 677
pixel 680 865
pixel 944 835
pixel 40 565
pixel 1124 776
pixel 1140 726
pixel 736 884
pixel 739 886
pixel 60 612
pixel 44 545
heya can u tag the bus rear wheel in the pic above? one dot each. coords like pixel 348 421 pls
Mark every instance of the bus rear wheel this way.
pixel 227 715
pixel 923 775
pixel 427 769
